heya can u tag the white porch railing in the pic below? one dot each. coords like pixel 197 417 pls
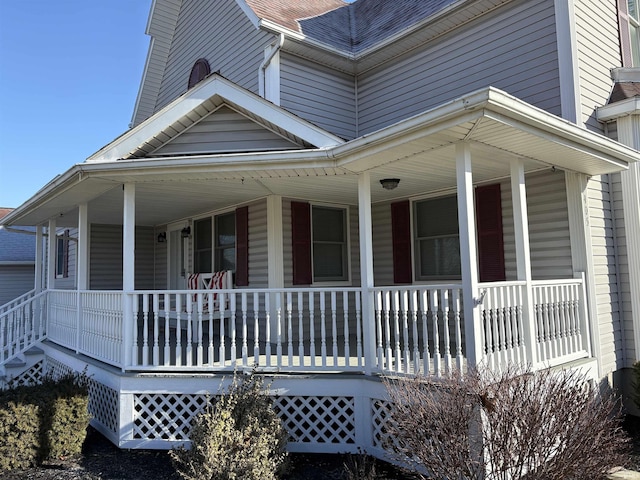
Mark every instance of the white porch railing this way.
pixel 416 329
pixel 22 325
pixel 17 301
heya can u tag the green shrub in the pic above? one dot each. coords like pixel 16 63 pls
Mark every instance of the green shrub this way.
pixel 43 422
pixel 238 436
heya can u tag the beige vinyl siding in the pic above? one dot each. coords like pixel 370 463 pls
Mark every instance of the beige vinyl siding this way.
pixel 105 253
pixel 318 94
pixel 611 335
pixel 224 36
pixel 513 49
pixel 224 131
pixel 382 241
pixel 598 53
pixel 15 280
pixel 623 271
pixel 258 253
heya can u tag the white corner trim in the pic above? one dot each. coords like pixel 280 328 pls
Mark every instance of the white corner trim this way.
pixel 568 60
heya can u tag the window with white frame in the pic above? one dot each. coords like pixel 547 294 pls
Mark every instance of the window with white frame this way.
pixel 202 245
pixel 634 30
pixel 62 255
pixel 329 244
pixel 436 239
pixel 215 249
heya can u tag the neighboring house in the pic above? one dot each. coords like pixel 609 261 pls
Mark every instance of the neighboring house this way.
pixel 17 261
pixel 395 187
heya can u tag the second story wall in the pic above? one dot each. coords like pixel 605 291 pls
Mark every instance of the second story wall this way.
pixel 513 49
pixel 221 34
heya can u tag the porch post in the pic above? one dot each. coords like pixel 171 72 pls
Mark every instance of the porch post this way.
pixel 128 270
pixel 37 281
pixel 82 260
pixel 275 258
pixel 523 256
pixel 81 267
pixel 468 254
pixel 51 254
pixel 366 271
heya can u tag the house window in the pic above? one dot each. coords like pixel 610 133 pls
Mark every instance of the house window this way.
pixel 199 71
pixel 634 30
pixel 202 245
pixel 62 255
pixel 329 245
pixel 319 243
pixel 436 240
pixel 225 241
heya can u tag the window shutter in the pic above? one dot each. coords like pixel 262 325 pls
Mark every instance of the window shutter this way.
pixel 242 246
pixel 625 33
pixel 301 242
pixel 401 235
pixel 490 241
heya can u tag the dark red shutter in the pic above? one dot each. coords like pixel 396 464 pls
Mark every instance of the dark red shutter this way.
pixel 401 235
pixel 242 246
pixel 625 33
pixel 301 242
pixel 490 241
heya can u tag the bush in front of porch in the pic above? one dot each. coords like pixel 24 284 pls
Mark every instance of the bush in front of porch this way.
pixel 237 436
pixel 498 426
pixel 43 422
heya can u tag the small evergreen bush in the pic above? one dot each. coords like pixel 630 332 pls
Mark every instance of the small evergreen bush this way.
pixel 43 422
pixel 237 436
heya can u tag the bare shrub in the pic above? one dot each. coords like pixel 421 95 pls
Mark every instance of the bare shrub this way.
pixel 549 425
pixel 238 436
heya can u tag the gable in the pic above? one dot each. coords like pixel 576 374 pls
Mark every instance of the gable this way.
pixel 225 131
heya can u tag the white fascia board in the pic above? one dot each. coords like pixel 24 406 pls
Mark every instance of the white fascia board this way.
pixel 630 106
pixel 209 88
pixel 248 11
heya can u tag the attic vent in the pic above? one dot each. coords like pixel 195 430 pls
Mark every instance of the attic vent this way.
pixel 199 71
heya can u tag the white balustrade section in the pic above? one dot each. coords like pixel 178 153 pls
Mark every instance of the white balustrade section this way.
pixel 279 329
pixel 99 332
pixel 22 325
pixel 562 329
pixel 418 329
pixel 17 301
pixel 62 317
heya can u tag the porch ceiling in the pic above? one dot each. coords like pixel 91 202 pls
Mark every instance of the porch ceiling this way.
pixel 420 151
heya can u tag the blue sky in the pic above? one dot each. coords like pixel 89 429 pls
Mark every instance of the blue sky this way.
pixel 69 76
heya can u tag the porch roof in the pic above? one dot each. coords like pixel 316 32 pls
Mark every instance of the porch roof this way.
pixel 418 150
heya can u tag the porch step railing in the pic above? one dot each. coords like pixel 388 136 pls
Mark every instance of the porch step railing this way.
pixel 22 325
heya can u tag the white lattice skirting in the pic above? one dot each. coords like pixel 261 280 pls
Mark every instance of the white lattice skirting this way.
pixel 322 413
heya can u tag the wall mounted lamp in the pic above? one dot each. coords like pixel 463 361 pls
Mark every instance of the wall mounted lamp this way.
pixel 185 232
pixel 162 237
pixel 389 183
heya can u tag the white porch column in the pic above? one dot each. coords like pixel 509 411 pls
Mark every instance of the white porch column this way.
pixel 82 260
pixel 275 257
pixel 366 271
pixel 128 270
pixel 468 254
pixel 523 255
pixel 37 281
pixel 51 254
pixel 581 248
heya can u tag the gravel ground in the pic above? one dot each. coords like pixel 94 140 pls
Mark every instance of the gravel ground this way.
pixel 101 460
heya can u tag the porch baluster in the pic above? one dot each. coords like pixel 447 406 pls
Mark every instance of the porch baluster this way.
pixel 378 313
pixel 414 325
pixel 424 306
pixel 178 350
pixel 334 328
pixel 145 329
pixel 456 319
pixel 445 326
pixel 301 328
pixel 245 349
pixel 134 329
pixel 323 331
pixel 289 329
pixel 199 347
pixel 210 349
pixel 156 329
pixel 278 329
pixel 387 329
pixel 223 353
pixel 434 307
pixel 189 349
pixel 396 331
pixel 502 330
pixel 312 330
pixel 405 330
pixel 256 328
pixel 267 332
pixel 358 330
pixel 167 331
pixel 232 324
pixel 345 311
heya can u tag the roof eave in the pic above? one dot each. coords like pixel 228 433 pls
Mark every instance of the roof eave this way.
pixel 630 106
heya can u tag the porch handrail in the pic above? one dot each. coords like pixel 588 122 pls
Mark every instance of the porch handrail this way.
pixel 22 326
pixel 16 301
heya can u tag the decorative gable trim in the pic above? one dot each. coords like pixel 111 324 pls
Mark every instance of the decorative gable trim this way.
pixel 199 102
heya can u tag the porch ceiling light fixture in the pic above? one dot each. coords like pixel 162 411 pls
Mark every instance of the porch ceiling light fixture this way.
pixel 162 237
pixel 186 232
pixel 389 183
